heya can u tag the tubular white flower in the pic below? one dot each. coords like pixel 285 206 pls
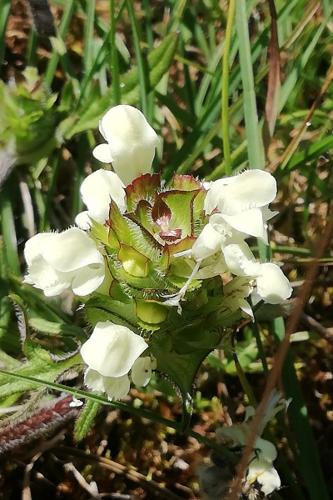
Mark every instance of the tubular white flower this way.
pixel 243 201
pixel 272 285
pixel 97 190
pixel 112 349
pixel 60 261
pixel 110 353
pixel 131 142
pixel 260 469
pixel 264 473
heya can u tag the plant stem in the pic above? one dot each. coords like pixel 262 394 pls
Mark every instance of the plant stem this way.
pixel 139 412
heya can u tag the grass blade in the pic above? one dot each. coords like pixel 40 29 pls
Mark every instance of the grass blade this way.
pixel 114 56
pixel 4 14
pixel 255 149
pixel 225 88
pixel 63 28
pixel 141 62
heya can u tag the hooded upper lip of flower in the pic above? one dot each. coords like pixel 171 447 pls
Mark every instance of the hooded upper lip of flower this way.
pixel 58 261
pixel 110 353
pixel 97 190
pixel 243 201
pixel 131 142
pixel 112 349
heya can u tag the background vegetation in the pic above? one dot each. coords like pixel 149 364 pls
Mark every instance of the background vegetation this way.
pixel 269 96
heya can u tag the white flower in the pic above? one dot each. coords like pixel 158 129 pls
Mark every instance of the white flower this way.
pixel 243 201
pixel 61 261
pixel 142 370
pixel 272 285
pixel 97 190
pixel 130 142
pixel 264 473
pixel 260 468
pixel 110 353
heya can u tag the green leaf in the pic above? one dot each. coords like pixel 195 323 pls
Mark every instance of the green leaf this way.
pixel 39 365
pixel 53 329
pixel 86 420
pixel 179 355
pixel 104 308
pixel 172 365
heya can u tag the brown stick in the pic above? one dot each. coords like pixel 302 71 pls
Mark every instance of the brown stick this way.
pixel 117 468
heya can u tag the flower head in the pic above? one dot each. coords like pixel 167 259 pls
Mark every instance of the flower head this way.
pixel 61 261
pixel 130 142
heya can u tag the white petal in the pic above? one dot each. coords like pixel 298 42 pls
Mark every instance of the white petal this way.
pixel 250 189
pixel 126 123
pixel 272 285
pixel 102 153
pixel 43 276
pixel 213 195
pixel 83 221
pixel 265 474
pixel 141 371
pixel 249 222
pixel 207 243
pixel 116 387
pixel 131 139
pixel 221 226
pixel 240 260
pixel 112 349
pixel 94 380
pixel 71 250
pixel 98 189
pixel 88 279
pixel 33 247
pixel 266 449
